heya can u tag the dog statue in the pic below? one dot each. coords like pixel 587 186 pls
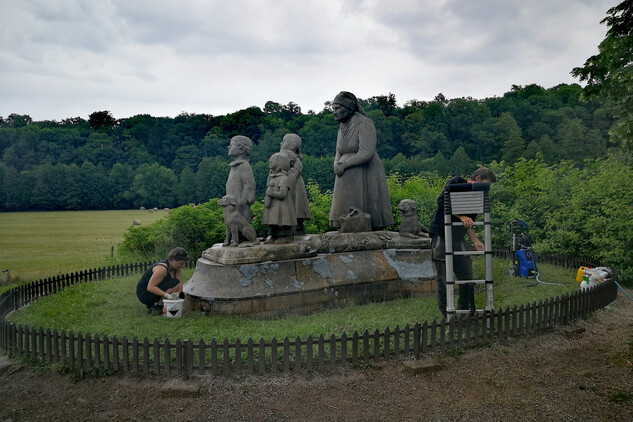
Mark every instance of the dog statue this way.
pixel 236 223
pixel 409 224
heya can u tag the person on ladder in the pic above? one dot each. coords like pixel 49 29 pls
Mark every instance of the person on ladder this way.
pixel 463 265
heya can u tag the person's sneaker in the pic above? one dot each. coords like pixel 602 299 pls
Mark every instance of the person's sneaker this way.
pixel 155 310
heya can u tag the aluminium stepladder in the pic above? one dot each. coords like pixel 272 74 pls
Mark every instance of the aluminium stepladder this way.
pixel 467 199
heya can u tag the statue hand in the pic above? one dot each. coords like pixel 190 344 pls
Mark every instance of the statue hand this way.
pixel 339 168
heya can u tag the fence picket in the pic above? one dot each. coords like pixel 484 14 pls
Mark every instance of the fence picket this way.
pixel 366 347
pixel 214 357
pixel 156 357
pixel 332 350
pixel 106 352
pixel 226 357
pixel 180 367
pixel 115 354
pixel 188 354
pixel 433 335
pixel 238 356
pixel 64 348
pixel 297 353
pixel 355 340
pixel 126 354
pixel 309 354
pixel 405 340
pixel 273 355
pixel 202 356
pixel 321 351
pixel 376 339
pixel 249 356
pixel 396 343
pixel 135 355
pixel 49 345
pixel 344 349
pixel 33 333
pixel 457 339
pixel 41 339
pixel 145 355
pixel 84 349
pixel 262 355
pixel 97 359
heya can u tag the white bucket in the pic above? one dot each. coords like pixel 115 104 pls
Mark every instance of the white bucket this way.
pixel 173 308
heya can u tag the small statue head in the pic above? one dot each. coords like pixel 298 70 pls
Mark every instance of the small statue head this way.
pixel 278 162
pixel 292 142
pixel 240 146
pixel 408 207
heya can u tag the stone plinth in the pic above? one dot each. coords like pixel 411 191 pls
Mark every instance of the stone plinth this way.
pixel 310 274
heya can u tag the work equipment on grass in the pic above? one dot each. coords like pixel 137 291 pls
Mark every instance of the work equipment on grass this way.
pixel 524 263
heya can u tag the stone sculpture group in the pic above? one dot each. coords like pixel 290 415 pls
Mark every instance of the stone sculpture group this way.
pixel 292 270
pixel 360 200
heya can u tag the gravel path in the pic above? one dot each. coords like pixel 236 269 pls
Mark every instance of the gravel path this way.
pixel 583 372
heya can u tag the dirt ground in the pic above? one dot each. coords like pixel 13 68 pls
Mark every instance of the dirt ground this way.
pixel 583 372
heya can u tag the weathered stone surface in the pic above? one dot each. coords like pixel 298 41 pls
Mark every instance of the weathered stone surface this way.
pixel 259 253
pixel 312 281
pixel 335 242
pixel 5 365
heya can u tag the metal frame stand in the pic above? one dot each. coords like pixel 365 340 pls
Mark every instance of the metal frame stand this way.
pixel 467 199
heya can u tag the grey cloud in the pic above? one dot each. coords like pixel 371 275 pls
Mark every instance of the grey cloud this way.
pixel 472 32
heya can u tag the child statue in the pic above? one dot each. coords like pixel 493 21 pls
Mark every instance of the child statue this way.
pixel 279 208
pixel 291 145
pixel 240 193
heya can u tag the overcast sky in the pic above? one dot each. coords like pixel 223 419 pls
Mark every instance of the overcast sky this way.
pixel 68 58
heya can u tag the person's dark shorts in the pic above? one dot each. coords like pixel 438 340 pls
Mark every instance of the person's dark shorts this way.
pixel 149 299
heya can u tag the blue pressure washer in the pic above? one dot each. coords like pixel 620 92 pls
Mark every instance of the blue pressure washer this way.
pixel 524 264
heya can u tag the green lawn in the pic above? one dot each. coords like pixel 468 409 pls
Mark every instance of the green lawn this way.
pixel 41 244
pixel 110 307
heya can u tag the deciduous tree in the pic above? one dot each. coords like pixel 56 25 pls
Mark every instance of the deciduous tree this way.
pixel 609 74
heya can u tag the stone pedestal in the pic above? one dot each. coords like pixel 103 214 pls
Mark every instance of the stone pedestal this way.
pixel 312 273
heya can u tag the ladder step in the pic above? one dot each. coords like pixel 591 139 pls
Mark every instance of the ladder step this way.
pixel 469 252
pixel 469 281
pixel 467 311
pixel 475 223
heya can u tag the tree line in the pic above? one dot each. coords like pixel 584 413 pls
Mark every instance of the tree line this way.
pixel 109 163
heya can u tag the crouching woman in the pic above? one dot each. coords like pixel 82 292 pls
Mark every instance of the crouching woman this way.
pixel 162 280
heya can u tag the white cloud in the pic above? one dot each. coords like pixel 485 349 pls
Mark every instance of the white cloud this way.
pixel 68 58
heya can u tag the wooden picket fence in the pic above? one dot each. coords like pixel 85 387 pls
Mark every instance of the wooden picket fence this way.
pixel 186 357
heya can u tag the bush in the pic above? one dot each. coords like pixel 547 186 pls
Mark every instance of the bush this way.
pixel 194 227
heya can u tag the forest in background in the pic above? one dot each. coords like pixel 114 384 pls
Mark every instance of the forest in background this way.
pixel 109 163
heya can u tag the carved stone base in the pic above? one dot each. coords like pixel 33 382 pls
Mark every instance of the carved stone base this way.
pixel 313 273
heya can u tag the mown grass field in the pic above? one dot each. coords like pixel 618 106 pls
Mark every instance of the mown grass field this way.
pixel 41 244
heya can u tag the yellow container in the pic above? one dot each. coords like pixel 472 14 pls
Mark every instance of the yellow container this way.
pixel 580 273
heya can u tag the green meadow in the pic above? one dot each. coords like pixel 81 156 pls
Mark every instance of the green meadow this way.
pixel 34 245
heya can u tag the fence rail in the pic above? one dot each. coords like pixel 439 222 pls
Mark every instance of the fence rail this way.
pixel 184 357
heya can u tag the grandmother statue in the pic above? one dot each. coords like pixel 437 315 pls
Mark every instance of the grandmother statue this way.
pixel 360 187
